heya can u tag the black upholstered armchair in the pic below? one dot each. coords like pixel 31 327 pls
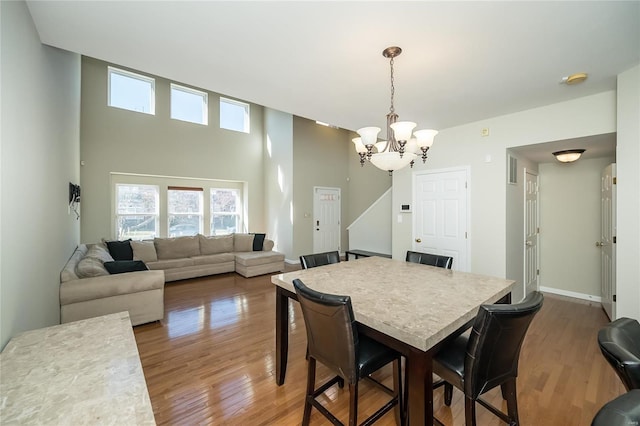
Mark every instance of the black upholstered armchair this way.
pixel 488 357
pixel 622 411
pixel 430 259
pixel 333 340
pixel 620 344
pixel 319 259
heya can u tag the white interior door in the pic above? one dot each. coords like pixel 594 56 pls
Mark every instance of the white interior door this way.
pixel 531 232
pixel 326 219
pixel 441 216
pixel 607 241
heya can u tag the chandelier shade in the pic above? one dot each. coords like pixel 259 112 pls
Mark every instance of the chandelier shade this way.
pixel 403 145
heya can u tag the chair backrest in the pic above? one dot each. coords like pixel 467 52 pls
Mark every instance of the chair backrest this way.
pixel 620 344
pixel 430 259
pixel 332 335
pixel 494 345
pixel 319 259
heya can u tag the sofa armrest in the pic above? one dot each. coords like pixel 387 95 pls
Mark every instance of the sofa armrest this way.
pixel 110 285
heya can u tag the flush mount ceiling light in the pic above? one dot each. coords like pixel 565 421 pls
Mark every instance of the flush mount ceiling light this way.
pixel 574 78
pixel 568 155
pixel 400 149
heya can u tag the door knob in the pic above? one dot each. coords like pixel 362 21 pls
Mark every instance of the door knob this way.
pixel 528 243
pixel 600 244
pixel 418 240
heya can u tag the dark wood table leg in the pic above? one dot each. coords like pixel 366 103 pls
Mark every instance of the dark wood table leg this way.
pixel 282 334
pixel 420 388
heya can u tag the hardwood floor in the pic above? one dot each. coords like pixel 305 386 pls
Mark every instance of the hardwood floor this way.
pixel 211 361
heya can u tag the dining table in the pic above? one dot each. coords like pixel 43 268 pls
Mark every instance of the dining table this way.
pixel 410 307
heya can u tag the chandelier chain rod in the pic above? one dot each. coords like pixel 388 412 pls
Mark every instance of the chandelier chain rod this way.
pixel 393 89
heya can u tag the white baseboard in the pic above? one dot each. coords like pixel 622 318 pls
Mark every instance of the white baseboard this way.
pixel 573 294
pixel 292 262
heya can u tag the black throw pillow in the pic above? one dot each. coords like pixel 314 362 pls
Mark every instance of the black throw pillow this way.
pixel 122 266
pixel 258 241
pixel 120 250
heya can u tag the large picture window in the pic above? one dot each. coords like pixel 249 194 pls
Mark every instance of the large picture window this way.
pixel 137 211
pixel 184 211
pixel 225 211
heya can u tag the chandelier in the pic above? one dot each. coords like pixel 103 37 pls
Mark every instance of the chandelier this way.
pixel 400 149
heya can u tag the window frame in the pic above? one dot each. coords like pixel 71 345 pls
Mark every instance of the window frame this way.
pixel 152 90
pixel 238 213
pixel 247 114
pixel 156 214
pixel 205 103
pixel 171 214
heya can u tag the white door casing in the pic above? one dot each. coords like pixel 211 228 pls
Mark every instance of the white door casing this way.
pixel 607 243
pixel 326 219
pixel 531 233
pixel 441 218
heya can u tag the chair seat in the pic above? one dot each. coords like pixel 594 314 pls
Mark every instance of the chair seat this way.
pixel 373 356
pixel 622 411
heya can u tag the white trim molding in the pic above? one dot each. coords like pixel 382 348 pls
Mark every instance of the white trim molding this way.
pixel 573 294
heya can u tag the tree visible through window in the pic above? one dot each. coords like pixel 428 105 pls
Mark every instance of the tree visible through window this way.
pixel 185 211
pixel 225 211
pixel 136 211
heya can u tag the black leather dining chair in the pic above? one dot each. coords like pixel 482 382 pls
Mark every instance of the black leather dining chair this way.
pixel 488 357
pixel 622 411
pixel 619 342
pixel 319 259
pixel 334 341
pixel 430 259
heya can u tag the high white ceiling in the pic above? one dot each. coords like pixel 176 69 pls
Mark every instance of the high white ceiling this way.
pixel 461 61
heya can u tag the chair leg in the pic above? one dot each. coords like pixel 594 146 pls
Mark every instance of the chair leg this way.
pixel 469 411
pixel 353 404
pixel 510 394
pixel 311 383
pixel 448 394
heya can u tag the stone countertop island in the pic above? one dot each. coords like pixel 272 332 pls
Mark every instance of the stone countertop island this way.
pixel 82 373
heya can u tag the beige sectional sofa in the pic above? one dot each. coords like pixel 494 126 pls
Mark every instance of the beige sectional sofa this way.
pixel 88 290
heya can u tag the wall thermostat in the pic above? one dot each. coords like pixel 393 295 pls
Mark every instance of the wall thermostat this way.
pixel 405 208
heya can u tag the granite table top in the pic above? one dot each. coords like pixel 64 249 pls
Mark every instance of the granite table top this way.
pixel 81 373
pixel 416 304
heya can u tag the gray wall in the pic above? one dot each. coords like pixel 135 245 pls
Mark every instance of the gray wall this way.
pixel 570 226
pixel 39 146
pixel 628 169
pixel 320 156
pixel 117 140
pixel 464 146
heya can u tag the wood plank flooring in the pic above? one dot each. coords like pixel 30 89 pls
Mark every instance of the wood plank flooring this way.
pixel 212 361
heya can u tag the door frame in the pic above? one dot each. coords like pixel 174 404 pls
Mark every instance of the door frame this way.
pixel 313 227
pixel 414 180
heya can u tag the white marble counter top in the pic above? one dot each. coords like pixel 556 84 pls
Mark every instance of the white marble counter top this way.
pixel 417 304
pixel 81 373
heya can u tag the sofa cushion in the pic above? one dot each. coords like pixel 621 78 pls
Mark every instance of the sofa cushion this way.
pixel 100 287
pixel 90 267
pixel 255 258
pixel 120 250
pixel 242 242
pixel 258 241
pixel 69 271
pixel 144 250
pixel 122 266
pixel 99 251
pixel 177 248
pixel 268 245
pixel 170 263
pixel 212 259
pixel 217 244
